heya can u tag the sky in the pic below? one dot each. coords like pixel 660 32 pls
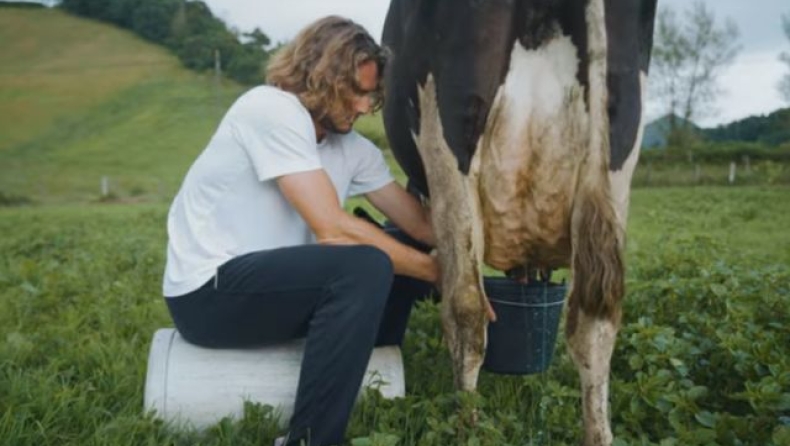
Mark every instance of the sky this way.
pixel 749 84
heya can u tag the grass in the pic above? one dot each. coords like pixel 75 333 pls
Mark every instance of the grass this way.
pixel 83 100
pixel 79 288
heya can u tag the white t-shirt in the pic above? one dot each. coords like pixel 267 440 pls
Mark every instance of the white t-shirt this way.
pixel 229 203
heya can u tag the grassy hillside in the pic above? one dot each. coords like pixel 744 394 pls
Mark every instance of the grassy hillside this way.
pixel 81 100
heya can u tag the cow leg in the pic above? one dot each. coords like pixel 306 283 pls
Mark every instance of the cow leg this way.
pixel 597 235
pixel 457 226
pixel 591 347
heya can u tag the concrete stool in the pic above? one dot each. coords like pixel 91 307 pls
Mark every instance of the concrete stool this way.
pixel 186 384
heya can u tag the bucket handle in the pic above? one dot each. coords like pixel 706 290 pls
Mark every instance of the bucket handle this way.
pixel 523 305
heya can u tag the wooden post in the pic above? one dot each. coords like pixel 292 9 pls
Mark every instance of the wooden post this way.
pixel 697 172
pixel 105 186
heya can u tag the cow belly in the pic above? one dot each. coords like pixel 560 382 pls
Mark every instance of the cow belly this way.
pixel 536 139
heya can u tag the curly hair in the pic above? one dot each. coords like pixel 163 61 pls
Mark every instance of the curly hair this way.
pixel 320 67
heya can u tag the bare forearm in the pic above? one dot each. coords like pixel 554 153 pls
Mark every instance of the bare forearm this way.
pixel 407 261
pixel 419 227
pixel 405 211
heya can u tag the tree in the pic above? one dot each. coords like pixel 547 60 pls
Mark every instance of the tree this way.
pixel 784 84
pixel 153 19
pixel 688 56
pixel 258 38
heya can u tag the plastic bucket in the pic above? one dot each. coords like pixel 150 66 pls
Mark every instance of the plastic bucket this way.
pixel 197 387
pixel 522 339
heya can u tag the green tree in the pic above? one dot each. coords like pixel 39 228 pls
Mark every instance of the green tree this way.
pixel 189 29
pixel 247 65
pixel 152 19
pixel 88 8
pixel 258 38
pixel 688 56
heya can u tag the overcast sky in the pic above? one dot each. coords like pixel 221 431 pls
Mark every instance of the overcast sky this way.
pixel 750 83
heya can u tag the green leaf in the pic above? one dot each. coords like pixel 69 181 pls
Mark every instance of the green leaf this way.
pixel 636 362
pixel 781 435
pixel 697 392
pixel 706 419
pixel 784 402
pixel 719 290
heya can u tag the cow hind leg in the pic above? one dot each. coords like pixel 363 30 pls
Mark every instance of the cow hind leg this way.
pixel 456 222
pixel 594 305
pixel 591 347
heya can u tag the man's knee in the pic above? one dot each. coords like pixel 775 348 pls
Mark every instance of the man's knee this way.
pixel 372 261
pixel 367 272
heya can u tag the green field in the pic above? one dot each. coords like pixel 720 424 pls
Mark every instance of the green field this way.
pixel 702 358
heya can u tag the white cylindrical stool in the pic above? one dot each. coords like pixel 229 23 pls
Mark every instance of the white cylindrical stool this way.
pixel 187 384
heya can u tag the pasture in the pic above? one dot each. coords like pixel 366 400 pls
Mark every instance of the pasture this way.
pixel 702 357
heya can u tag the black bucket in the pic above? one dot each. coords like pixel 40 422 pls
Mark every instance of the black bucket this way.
pixel 522 339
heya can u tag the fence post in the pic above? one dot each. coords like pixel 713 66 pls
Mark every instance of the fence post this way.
pixel 732 172
pixel 105 186
pixel 697 172
pixel 217 79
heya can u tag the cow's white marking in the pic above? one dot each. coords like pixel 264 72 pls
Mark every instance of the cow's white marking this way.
pixel 538 83
pixel 535 142
pixel 621 179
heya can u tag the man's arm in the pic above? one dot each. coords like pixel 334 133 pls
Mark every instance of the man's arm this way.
pixel 404 210
pixel 313 195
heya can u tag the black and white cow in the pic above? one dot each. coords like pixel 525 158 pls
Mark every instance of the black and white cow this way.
pixel 522 119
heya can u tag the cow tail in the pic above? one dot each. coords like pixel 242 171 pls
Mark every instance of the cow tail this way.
pixel 598 267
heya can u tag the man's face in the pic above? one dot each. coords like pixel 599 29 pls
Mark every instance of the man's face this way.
pixel 362 103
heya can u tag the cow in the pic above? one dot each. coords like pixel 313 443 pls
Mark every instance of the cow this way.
pixel 521 121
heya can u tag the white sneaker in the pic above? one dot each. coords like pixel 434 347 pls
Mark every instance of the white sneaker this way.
pixel 279 441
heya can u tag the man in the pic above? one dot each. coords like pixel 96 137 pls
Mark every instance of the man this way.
pixel 260 249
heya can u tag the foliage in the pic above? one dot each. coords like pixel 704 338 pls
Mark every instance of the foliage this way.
pixel 771 129
pixel 21 4
pixel 717 153
pixel 687 58
pixel 188 28
pixel 702 357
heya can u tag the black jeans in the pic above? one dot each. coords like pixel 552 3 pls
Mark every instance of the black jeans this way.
pixel 343 299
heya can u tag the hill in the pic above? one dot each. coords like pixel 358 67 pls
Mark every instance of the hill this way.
pixel 655 133
pixel 771 129
pixel 80 100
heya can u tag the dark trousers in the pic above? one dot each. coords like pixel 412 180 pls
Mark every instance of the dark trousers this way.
pixel 343 299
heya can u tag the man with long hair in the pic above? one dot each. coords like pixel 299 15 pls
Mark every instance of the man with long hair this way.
pixel 260 249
